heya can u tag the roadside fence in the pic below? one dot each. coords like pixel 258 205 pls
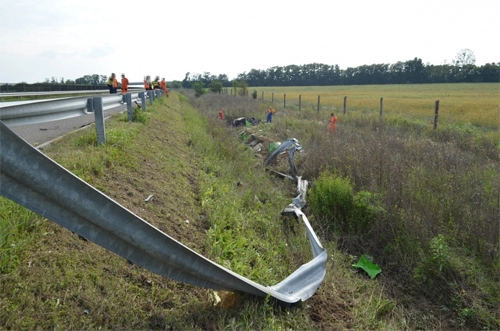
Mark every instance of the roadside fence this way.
pixel 317 106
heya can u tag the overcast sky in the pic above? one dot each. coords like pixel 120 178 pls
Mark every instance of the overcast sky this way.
pixel 69 39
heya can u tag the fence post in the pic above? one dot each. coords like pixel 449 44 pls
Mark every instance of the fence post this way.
pixel 142 96
pixel 272 97
pixel 151 97
pixel 99 120
pixel 318 101
pixel 345 104
pixel 128 98
pixel 381 106
pixel 284 100
pixel 262 95
pixel 300 101
pixel 436 110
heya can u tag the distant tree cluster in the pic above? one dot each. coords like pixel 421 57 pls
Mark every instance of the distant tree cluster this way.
pixel 409 72
pixel 462 69
pixel 94 79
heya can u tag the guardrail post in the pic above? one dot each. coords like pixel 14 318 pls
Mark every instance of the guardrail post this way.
pixel 151 97
pixel 99 120
pixel 158 93
pixel 128 97
pixel 90 105
pixel 142 96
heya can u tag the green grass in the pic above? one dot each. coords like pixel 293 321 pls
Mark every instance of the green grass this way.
pixel 429 183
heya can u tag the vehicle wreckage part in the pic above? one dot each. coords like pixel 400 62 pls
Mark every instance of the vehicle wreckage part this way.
pixel 34 181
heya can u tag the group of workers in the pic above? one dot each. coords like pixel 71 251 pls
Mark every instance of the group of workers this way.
pixel 156 84
pixel 148 84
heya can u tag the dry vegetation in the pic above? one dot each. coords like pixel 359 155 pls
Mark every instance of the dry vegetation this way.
pixel 435 232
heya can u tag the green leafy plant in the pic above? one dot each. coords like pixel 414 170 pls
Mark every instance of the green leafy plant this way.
pixel 199 89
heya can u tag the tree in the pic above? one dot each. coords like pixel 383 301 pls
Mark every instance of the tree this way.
pixel 465 65
pixel 243 91
pixel 216 86
pixel 186 82
pixel 198 89
pixel 465 57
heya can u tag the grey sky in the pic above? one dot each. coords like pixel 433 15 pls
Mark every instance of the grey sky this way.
pixel 69 39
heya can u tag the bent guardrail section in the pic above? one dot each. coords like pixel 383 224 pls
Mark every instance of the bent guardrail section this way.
pixel 33 180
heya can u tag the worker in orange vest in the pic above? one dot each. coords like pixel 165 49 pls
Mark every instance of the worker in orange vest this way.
pixel 112 83
pixel 124 84
pixel 163 85
pixel 333 124
pixel 147 83
pixel 270 113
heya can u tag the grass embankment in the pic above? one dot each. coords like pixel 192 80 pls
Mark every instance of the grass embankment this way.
pixel 211 194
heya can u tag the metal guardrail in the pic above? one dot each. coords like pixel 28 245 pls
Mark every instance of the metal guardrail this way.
pixel 52 110
pixel 33 180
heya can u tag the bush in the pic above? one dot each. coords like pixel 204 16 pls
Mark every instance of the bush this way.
pixel 198 89
pixel 332 199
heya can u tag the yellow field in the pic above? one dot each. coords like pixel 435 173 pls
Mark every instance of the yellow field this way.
pixel 475 103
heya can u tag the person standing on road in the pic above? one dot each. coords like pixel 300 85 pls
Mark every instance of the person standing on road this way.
pixel 156 83
pixel 112 83
pixel 124 84
pixel 270 113
pixel 163 85
pixel 333 124
pixel 147 83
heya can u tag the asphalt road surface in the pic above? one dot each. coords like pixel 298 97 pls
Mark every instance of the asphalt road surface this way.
pixel 39 134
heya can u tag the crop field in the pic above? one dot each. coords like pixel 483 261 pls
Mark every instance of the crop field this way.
pixel 476 105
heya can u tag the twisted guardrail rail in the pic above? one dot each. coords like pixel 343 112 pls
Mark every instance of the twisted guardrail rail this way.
pixel 34 181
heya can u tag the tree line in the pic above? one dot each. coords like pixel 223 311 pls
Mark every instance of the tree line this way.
pixel 318 74
pixel 461 70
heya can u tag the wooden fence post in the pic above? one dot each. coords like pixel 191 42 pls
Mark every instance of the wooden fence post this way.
pixel 436 111
pixel 284 100
pixel 262 95
pixel 300 101
pixel 272 97
pixel 318 101
pixel 345 104
pixel 381 106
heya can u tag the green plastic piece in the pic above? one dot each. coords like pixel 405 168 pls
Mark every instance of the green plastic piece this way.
pixel 367 265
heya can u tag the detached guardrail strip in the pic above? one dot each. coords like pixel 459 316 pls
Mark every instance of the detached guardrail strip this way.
pixel 34 181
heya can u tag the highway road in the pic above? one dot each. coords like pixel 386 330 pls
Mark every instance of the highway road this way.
pixel 40 134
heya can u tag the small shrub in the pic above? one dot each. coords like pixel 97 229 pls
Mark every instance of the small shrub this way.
pixel 332 198
pixel 436 263
pixel 198 89
pixel 139 116
pixel 254 94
